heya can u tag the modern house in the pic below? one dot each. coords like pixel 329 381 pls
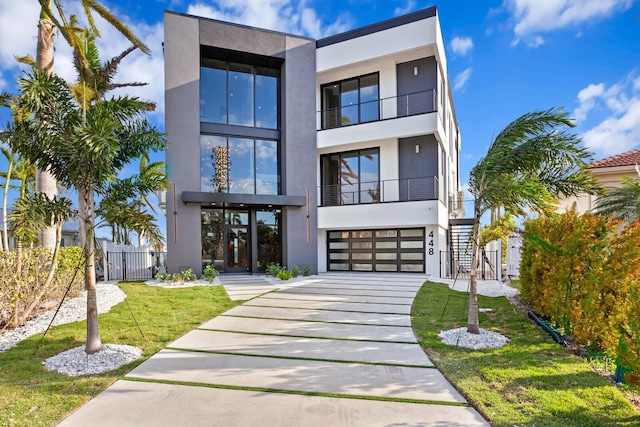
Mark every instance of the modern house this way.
pixel 608 172
pixel 341 153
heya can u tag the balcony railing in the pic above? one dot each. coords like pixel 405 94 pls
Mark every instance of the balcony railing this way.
pixel 391 190
pixel 381 109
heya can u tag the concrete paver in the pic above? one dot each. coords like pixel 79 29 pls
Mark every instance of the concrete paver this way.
pixel 368 299
pixel 331 305
pixel 124 404
pixel 292 375
pixel 314 353
pixel 298 328
pixel 319 315
pixel 311 348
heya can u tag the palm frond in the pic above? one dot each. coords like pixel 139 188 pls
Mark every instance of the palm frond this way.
pixel 623 202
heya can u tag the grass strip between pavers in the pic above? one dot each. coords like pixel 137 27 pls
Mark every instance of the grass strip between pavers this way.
pixel 316 321
pixel 311 359
pixel 302 393
pixel 330 291
pixel 307 336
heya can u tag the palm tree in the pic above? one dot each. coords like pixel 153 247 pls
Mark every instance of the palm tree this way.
pixel 154 173
pixel 45 182
pixel 84 146
pixel 527 166
pixel 623 202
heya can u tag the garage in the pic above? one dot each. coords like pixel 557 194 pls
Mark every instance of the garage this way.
pixel 387 250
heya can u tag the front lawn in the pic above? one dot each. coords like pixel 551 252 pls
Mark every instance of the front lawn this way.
pixel 33 396
pixel 530 382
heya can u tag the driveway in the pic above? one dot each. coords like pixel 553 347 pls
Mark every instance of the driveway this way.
pixel 330 350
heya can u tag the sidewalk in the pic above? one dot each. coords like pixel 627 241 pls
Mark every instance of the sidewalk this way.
pixel 335 350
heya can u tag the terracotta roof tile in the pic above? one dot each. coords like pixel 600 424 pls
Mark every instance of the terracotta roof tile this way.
pixel 629 158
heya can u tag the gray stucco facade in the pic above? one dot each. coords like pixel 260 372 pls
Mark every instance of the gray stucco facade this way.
pixel 184 38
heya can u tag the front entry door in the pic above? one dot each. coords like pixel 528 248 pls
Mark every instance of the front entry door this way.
pixel 237 253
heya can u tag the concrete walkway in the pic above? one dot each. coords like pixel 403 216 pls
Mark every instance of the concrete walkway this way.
pixel 331 350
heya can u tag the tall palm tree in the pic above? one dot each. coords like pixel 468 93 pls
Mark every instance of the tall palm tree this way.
pixel 623 202
pixel 48 24
pixel 531 162
pixel 45 182
pixel 153 172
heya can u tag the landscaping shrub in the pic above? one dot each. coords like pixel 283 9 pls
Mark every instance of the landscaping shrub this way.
pixel 584 275
pixel 210 273
pixel 20 289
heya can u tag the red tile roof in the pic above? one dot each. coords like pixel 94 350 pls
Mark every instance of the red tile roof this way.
pixel 630 158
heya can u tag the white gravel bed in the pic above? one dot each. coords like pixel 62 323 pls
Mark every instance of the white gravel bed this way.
pixel 167 284
pixel 76 362
pixel 461 338
pixel 488 288
pixel 72 310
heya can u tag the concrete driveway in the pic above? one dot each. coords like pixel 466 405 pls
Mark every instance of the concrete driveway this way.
pixel 331 350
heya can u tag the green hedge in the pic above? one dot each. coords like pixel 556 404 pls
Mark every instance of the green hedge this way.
pixel 583 273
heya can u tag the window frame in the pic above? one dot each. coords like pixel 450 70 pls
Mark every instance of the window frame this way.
pixel 339 109
pixel 340 155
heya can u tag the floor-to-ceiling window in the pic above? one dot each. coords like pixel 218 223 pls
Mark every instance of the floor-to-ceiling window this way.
pixel 238 94
pixel 351 177
pixel 350 101
pixel 238 165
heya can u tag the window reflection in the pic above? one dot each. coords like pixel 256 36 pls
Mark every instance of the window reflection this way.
pixel 238 94
pixel 238 165
pixel 351 178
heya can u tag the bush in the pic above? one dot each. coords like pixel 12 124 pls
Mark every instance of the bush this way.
pixel 306 271
pixel 284 274
pixel 584 275
pixel 163 277
pixel 273 269
pixel 21 289
pixel 210 273
pixel 295 271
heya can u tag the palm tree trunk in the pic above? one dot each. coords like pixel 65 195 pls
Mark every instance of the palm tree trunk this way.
pixel 94 344
pixel 473 323
pixel 45 182
pixel 5 231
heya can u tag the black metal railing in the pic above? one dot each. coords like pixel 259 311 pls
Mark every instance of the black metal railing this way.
pixel 381 109
pixel 390 190
pixel 457 265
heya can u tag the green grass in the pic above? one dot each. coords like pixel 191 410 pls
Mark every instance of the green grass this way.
pixel 33 396
pixel 531 381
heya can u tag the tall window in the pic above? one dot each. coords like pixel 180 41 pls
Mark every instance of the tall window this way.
pixel 351 178
pixel 238 165
pixel 238 94
pixel 350 101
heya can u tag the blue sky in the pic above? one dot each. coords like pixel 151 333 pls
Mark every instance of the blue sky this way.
pixel 505 57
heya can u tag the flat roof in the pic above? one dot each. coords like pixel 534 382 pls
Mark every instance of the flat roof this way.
pixel 419 15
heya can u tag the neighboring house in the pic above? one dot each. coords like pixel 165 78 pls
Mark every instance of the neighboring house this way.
pixel 341 153
pixel 608 172
pixel 69 233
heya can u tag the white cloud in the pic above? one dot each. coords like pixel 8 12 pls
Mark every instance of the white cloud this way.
pixel 402 10
pixel 532 17
pixel 460 80
pixel 279 15
pixel 618 129
pixel 461 45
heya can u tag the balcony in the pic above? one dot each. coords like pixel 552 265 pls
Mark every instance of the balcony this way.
pixel 382 109
pixel 392 190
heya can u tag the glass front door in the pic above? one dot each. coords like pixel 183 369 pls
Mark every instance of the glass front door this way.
pixel 237 254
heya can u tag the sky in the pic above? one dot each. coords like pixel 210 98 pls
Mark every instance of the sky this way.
pixel 505 57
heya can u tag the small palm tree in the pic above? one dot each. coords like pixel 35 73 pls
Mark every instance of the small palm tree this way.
pixel 527 166
pixel 84 146
pixel 623 202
